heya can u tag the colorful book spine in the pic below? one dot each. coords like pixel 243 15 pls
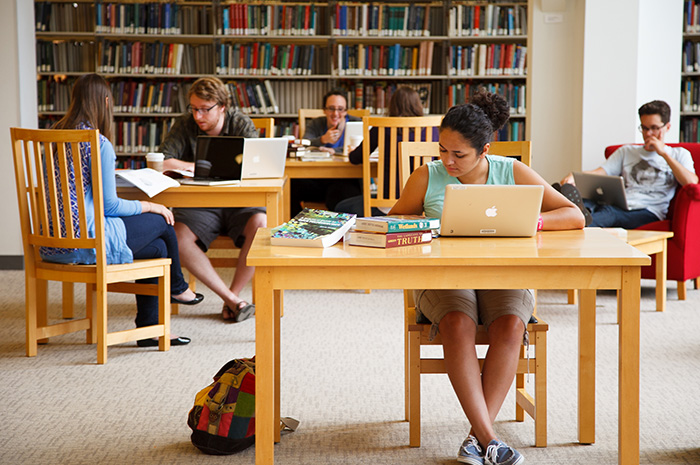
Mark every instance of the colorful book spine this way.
pixel 389 240
pixel 398 223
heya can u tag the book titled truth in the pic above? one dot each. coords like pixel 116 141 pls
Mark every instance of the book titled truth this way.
pixel 396 223
pixel 388 240
pixel 312 228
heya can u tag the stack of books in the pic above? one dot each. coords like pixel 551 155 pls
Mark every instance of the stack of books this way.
pixel 298 147
pixel 392 231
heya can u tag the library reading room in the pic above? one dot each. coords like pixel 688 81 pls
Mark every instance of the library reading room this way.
pixel 276 231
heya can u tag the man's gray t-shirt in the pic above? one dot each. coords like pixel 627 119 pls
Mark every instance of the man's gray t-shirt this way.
pixel 649 181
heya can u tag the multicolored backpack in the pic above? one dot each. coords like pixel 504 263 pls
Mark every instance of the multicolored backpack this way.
pixel 223 416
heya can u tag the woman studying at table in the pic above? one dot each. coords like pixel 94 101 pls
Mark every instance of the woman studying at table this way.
pixel 465 135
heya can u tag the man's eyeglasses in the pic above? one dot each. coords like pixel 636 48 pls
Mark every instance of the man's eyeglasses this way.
pixel 334 109
pixel 644 129
pixel 201 111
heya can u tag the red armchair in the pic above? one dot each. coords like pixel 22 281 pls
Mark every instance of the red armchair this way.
pixel 683 220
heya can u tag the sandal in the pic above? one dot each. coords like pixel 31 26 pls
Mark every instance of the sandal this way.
pixel 243 312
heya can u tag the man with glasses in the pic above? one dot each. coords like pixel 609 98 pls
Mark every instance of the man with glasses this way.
pixel 651 173
pixel 209 113
pixel 328 133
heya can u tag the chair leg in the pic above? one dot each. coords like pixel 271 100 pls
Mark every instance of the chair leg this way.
pixel 414 389
pixel 68 301
pixel 164 309
pixel 681 290
pixel 541 389
pixel 697 283
pixel 41 309
pixel 31 287
pixel 100 315
pixel 520 384
pixel 572 297
pixel 91 334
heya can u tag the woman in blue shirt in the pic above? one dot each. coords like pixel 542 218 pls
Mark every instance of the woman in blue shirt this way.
pixel 465 135
pixel 133 229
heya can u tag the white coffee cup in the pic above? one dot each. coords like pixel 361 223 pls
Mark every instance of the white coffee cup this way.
pixel 355 141
pixel 154 160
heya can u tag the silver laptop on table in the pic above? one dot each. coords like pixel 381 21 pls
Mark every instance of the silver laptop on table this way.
pixel 264 157
pixel 601 188
pixel 217 161
pixel 491 210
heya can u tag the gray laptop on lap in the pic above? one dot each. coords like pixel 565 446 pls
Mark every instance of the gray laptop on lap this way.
pixel 603 189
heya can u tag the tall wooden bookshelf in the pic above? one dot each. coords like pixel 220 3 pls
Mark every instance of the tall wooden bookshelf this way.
pixel 277 56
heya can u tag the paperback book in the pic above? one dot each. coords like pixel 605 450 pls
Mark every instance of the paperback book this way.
pixel 148 180
pixel 312 228
pixel 389 240
pixel 396 223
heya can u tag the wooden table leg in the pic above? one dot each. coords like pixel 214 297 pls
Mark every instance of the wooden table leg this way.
pixel 586 366
pixel 265 382
pixel 628 415
pixel 661 273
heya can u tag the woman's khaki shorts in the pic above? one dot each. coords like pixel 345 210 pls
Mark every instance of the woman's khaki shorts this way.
pixel 482 306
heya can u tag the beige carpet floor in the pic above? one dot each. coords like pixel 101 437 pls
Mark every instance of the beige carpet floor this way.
pixel 342 377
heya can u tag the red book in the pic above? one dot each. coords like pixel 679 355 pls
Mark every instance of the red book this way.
pixel 389 240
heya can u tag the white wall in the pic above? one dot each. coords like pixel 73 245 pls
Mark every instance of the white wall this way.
pixel 556 67
pixel 18 94
pixel 632 55
pixel 659 58
pixel 590 73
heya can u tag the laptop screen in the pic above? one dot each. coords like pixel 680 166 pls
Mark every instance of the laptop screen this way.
pixel 218 157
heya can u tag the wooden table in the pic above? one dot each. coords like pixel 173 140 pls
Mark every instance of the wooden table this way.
pixel 335 168
pixel 650 243
pixel 586 259
pixel 249 193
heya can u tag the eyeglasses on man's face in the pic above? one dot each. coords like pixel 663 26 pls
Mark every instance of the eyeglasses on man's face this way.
pixel 644 129
pixel 201 111
pixel 336 109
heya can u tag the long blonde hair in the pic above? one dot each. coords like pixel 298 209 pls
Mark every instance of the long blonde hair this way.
pixel 91 103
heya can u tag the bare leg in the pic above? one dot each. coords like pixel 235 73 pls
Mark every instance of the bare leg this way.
pixel 458 333
pixel 481 394
pixel 244 273
pixel 501 363
pixel 197 262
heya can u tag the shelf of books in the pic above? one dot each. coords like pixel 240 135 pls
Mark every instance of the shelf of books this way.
pixel 278 56
pixel 690 73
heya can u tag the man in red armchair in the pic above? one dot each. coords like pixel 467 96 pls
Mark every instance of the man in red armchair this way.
pixel 651 173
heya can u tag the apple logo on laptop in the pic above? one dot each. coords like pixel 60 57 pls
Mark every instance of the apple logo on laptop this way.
pixel 599 190
pixel 491 211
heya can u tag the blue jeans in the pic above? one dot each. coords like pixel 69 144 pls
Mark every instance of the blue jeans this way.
pixel 356 205
pixel 608 216
pixel 149 236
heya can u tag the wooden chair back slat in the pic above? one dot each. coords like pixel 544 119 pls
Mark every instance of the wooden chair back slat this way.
pixel 266 124
pixel 405 128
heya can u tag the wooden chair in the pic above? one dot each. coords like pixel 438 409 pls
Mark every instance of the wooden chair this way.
pixel 43 172
pixel 308 113
pixel 418 128
pixel 521 150
pixel 414 154
pixel 265 126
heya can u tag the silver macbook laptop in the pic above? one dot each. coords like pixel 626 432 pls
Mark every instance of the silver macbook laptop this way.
pixel 353 130
pixel 491 210
pixel 601 188
pixel 264 157
pixel 217 161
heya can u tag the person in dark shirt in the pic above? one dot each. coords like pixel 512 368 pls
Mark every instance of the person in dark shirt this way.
pixel 209 113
